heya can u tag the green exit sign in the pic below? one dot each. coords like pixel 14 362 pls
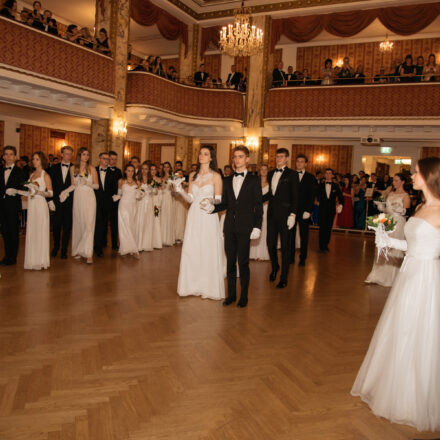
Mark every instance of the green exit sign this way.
pixel 385 150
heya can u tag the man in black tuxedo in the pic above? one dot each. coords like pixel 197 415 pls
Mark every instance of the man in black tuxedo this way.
pixel 283 199
pixel 291 79
pixel 117 174
pixel 307 193
pixel 201 76
pixel 377 188
pixel 11 176
pixel 234 78
pixel 278 76
pixel 62 218
pixel 242 200
pixel 107 187
pixel 329 193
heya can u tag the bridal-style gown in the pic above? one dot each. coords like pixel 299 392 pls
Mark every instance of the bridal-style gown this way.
pixel 384 271
pixel 400 376
pixel 127 220
pixel 180 213
pixel 201 262
pixel 145 220
pixel 259 249
pixel 157 233
pixel 84 216
pixel 36 253
pixel 167 215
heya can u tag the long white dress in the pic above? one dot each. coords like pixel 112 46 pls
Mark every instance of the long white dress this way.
pixel 145 220
pixel 201 262
pixel 384 271
pixel 36 253
pixel 400 375
pixel 259 249
pixel 180 213
pixel 127 220
pixel 157 233
pixel 167 215
pixel 84 216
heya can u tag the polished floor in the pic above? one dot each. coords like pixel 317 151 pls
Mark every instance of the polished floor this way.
pixel 110 352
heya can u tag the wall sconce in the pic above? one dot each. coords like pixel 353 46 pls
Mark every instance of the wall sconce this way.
pixel 252 142
pixel 340 62
pixel 320 158
pixel 119 127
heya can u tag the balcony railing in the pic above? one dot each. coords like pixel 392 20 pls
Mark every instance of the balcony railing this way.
pixel 348 102
pixel 146 89
pixel 30 51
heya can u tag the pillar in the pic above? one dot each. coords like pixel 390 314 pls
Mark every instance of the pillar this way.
pixel 189 63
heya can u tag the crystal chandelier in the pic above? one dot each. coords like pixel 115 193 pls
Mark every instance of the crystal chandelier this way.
pixel 241 39
pixel 386 45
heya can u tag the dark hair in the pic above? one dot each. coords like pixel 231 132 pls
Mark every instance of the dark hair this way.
pixel 178 162
pixel 78 161
pixel 328 60
pixel 66 147
pixel 125 171
pixel 102 153
pixel 24 158
pixel 150 177
pixel 10 3
pixel 112 153
pixel 402 177
pixel 409 57
pixel 302 156
pixel 227 166
pixel 71 27
pixel 432 55
pixel 430 171
pixel 104 31
pixel 283 151
pixel 139 176
pixel 35 2
pixel 10 148
pixel 135 157
pixel 329 169
pixel 348 176
pixel 169 164
pixel 43 159
pixel 242 148
pixel 212 165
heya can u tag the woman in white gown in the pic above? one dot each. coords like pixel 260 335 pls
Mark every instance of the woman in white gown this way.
pixel 400 376
pixel 259 249
pixel 145 212
pixel 201 262
pixel 85 181
pixel 167 211
pixel 180 213
pixel 397 202
pixel 127 194
pixel 157 206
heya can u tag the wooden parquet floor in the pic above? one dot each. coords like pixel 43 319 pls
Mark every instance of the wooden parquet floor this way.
pixel 110 352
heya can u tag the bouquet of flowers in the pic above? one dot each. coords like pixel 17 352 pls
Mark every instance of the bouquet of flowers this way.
pixel 32 187
pixel 381 223
pixel 140 193
pixel 177 179
pixel 155 185
pixel 156 211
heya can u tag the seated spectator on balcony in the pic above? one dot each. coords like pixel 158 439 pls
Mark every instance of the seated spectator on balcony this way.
pixel 188 81
pixel 72 33
pixel 346 72
pixel 25 17
pixel 169 74
pixel 201 76
pixel 381 77
pixel 243 82
pixel 408 70
pixel 431 71
pixel 102 43
pixel 290 77
pixel 140 67
pixel 9 9
pixel 327 74
pixel 85 38
pixel 50 24
pixel 278 75
pixel 420 67
pixel 359 77
pixel 175 76
pixel 37 16
pixel 234 78
pixel 158 68
pixel 217 83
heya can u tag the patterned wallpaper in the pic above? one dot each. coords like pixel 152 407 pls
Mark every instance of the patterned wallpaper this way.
pixel 132 148
pixel 213 65
pixel 367 54
pixel 430 152
pixel 2 134
pixel 155 153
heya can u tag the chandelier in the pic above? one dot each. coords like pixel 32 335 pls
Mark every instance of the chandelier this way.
pixel 386 45
pixel 251 142
pixel 241 39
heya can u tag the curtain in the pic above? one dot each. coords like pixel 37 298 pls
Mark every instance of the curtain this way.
pixel 209 35
pixel 147 14
pixel 402 20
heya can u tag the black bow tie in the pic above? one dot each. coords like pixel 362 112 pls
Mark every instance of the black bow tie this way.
pixel 103 170
pixel 65 165
pixel 112 168
pixel 328 183
pixel 239 174
pixel 8 168
pixel 300 172
pixel 279 170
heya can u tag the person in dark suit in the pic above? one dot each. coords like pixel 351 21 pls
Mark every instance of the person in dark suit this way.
pixel 26 169
pixel 283 197
pixel 291 78
pixel 11 176
pixel 62 218
pixel 329 193
pixel 201 76
pixel 278 76
pixel 234 78
pixel 307 193
pixel 242 200
pixel 378 187
pixel 117 174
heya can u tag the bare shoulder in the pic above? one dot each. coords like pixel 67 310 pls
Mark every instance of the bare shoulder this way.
pixel 431 214
pixel 216 176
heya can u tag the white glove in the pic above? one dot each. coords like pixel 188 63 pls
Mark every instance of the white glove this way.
pixel 177 184
pixel 46 194
pixel 186 196
pixel 291 221
pixel 118 196
pixel 380 205
pixel 398 208
pixel 33 189
pixel 139 195
pixel 11 192
pixel 207 206
pixel 306 215
pixel 339 209
pixel 383 240
pixel 255 234
pixel 51 205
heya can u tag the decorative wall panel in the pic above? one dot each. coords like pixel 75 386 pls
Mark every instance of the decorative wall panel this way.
pixel 430 152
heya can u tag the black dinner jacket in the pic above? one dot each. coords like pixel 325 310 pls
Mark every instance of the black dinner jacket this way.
pixel 104 193
pixel 328 204
pixel 118 175
pixel 246 212
pixel 200 78
pixel 286 198
pixel 234 79
pixel 278 77
pixel 16 180
pixel 307 193
pixel 56 175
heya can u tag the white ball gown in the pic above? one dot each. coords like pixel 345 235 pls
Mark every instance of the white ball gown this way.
pixel 259 249
pixel 201 262
pixel 167 215
pixel 84 216
pixel 145 220
pixel 36 253
pixel 400 375
pixel 180 213
pixel 384 271
pixel 157 233
pixel 127 220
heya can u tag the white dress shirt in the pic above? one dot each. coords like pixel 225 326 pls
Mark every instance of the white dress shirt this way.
pixel 65 170
pixel 275 179
pixel 300 174
pixel 328 188
pixel 8 172
pixel 237 183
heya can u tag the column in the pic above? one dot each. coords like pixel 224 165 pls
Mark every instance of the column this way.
pixel 188 64
pixel 181 150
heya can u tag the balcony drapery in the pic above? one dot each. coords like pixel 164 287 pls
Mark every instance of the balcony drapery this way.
pixel 402 20
pixel 209 35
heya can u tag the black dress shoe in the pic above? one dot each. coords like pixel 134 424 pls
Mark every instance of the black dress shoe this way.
pixel 10 263
pixel 54 253
pixel 115 248
pixel 302 262
pixel 64 255
pixel 99 254
pixel 242 304
pixel 4 262
pixel 326 249
pixel 282 284
pixel 273 274
pixel 228 301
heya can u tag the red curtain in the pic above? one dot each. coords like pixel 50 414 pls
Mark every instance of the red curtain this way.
pixel 147 14
pixel 402 20
pixel 209 35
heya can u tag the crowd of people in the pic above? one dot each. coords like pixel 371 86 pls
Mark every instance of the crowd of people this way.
pixel 43 21
pixel 400 71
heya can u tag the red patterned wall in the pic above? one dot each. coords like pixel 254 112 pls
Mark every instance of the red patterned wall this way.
pixel 213 65
pixel 170 62
pixel 430 152
pixel 2 134
pixel 367 54
pixel 40 53
pixel 132 148
pixel 150 90
pixel 399 100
